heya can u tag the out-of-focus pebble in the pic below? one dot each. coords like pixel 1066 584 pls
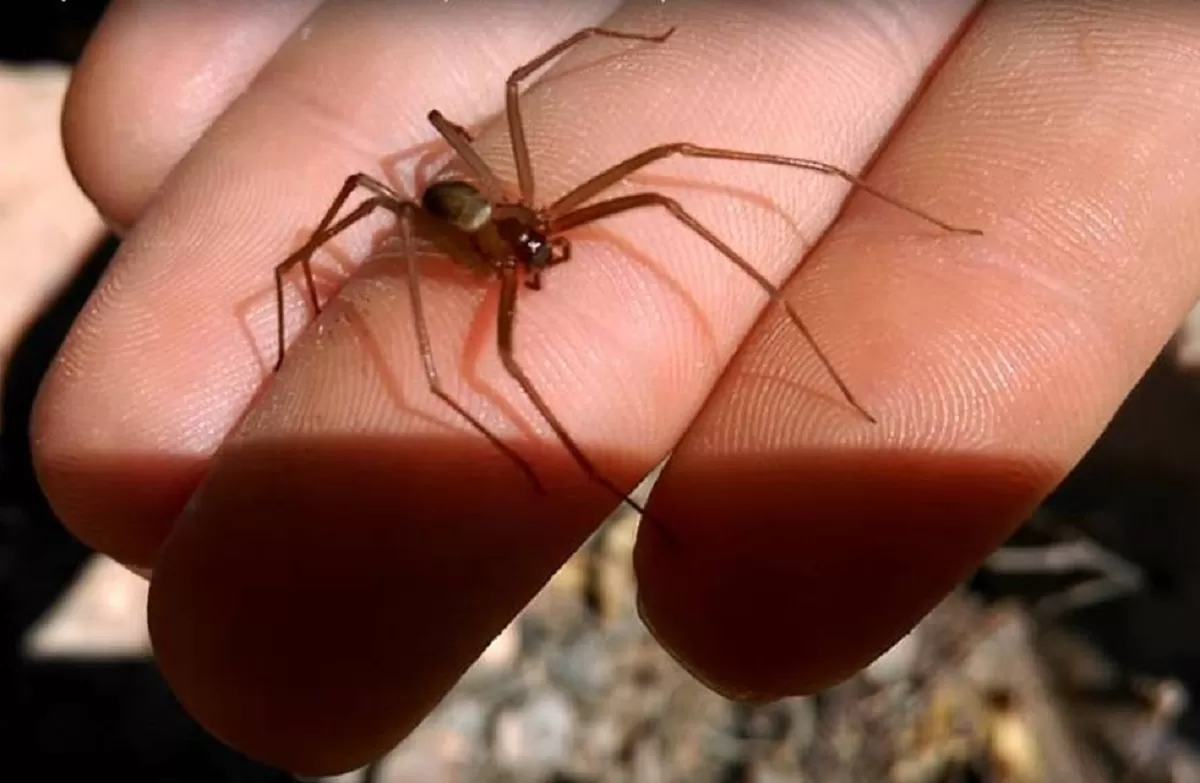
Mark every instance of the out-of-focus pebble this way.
pixel 897 662
pixel 102 615
pixel 500 655
pixel 533 738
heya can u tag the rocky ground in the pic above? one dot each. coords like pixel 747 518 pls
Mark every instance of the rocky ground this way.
pixel 576 690
pixel 1069 658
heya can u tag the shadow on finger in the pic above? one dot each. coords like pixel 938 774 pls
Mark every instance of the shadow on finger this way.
pixel 783 574
pixel 324 593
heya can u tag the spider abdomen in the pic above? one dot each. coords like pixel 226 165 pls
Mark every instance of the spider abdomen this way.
pixel 459 204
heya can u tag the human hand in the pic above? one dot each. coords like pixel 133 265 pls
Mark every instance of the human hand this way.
pixel 355 546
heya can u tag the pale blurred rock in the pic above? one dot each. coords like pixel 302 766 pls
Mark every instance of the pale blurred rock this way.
pixel 47 225
pixel 614 583
pixel 534 738
pixel 441 749
pixel 897 662
pixel 502 652
pixel 102 615
pixel 1187 340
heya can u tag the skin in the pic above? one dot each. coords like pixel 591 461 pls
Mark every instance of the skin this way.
pixel 333 578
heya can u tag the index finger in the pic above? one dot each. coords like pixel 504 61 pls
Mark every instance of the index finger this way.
pixel 177 338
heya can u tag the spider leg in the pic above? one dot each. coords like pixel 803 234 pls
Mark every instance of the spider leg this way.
pixel 458 138
pixel 457 250
pixel 383 196
pixel 615 174
pixel 614 206
pixel 516 127
pixel 507 319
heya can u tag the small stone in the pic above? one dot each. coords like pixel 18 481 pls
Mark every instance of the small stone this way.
pixel 895 664
pixel 462 724
pixel 535 737
pixel 502 652
pixel 804 721
pixel 585 667
pixel 439 750
pixel 603 739
pixel 102 615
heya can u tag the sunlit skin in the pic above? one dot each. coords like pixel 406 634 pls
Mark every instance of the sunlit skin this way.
pixel 517 241
pixel 355 545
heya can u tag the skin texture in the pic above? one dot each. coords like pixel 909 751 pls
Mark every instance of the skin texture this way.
pixel 332 578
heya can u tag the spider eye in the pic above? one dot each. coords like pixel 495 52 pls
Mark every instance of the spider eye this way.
pixel 538 249
pixel 534 248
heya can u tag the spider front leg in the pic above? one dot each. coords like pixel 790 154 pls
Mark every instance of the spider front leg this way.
pixel 560 253
pixel 504 341
pixel 460 141
pixel 512 100
pixel 614 174
pixel 384 197
pixel 604 209
pixel 453 246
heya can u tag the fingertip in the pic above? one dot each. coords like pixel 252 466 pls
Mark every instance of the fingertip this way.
pixel 152 79
pixel 117 502
pixel 85 142
pixel 1021 346
pixel 764 591
pixel 117 138
pixel 318 600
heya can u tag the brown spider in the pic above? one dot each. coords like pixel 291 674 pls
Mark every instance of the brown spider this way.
pixel 476 226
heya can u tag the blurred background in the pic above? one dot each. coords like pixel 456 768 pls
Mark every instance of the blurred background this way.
pixel 1070 656
pixel 78 693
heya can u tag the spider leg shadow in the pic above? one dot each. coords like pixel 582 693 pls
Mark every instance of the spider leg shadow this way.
pixel 382 265
pixel 482 327
pixel 656 181
pixel 595 233
pixel 832 398
pixel 328 277
pixel 624 50
pixel 481 335
pixel 416 161
pixel 431 158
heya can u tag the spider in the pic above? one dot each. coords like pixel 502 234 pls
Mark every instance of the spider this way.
pixel 516 241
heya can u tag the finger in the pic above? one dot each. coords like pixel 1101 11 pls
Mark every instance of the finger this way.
pixel 174 342
pixel 152 79
pixel 812 542
pixel 351 502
